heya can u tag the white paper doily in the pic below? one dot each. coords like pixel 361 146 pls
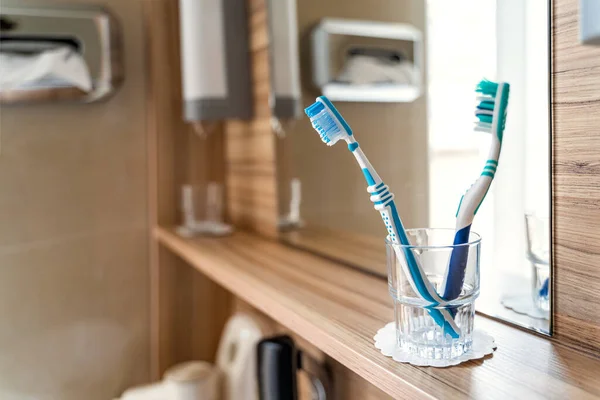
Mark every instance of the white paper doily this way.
pixel 524 305
pixel 385 340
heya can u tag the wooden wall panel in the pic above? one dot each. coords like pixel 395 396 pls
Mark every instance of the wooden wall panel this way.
pixel 250 145
pixel 576 148
pixel 188 310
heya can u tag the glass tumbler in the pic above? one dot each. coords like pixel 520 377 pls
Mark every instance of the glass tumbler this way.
pixel 538 253
pixel 418 327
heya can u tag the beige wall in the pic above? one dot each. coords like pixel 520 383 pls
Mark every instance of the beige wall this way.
pixel 73 241
pixel 392 135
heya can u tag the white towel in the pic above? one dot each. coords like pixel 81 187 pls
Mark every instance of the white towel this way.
pixel 362 69
pixel 59 67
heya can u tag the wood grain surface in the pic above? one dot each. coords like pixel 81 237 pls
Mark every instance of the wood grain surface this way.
pixel 250 145
pixel 360 251
pixel 339 310
pixel 576 192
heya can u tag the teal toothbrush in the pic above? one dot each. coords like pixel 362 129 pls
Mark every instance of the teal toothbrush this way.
pixel 491 118
pixel 330 125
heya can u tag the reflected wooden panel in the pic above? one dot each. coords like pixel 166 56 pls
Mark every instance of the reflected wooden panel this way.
pixel 360 251
pixel 250 145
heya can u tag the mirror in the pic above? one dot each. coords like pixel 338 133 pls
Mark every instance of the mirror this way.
pixel 422 143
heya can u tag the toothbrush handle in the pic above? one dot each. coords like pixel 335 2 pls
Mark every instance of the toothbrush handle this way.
pixel 455 276
pixel 371 176
pixel 467 208
pixel 412 269
pixel 384 203
pixel 419 282
pixel 544 289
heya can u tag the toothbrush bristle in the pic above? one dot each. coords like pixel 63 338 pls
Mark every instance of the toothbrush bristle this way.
pixel 328 130
pixel 325 123
pixel 487 103
pixel 487 88
pixel 314 109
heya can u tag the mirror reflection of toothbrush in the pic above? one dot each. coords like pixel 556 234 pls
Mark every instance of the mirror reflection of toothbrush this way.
pixel 491 118
pixel 331 127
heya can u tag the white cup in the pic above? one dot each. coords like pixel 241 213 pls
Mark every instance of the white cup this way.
pixel 194 380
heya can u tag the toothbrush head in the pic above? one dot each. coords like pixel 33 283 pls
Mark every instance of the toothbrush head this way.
pixel 491 107
pixel 327 121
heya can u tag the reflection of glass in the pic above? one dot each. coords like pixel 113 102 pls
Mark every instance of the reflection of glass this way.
pixel 292 220
pixel 202 209
pixel 538 252
pixel 423 329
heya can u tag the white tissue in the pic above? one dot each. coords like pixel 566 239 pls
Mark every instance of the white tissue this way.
pixel 60 67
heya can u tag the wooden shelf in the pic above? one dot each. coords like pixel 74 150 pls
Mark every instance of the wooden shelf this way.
pixel 339 310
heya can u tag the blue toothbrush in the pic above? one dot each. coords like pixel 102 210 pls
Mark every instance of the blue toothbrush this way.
pixel 330 125
pixel 544 289
pixel 491 118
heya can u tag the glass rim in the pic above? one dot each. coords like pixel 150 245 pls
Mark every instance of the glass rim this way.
pixel 541 216
pixel 476 241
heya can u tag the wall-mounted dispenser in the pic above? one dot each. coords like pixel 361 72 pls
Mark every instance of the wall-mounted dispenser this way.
pixel 367 60
pixel 285 98
pixel 58 53
pixel 284 59
pixel 215 60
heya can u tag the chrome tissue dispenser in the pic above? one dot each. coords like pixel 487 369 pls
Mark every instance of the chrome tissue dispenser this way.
pixel 92 33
